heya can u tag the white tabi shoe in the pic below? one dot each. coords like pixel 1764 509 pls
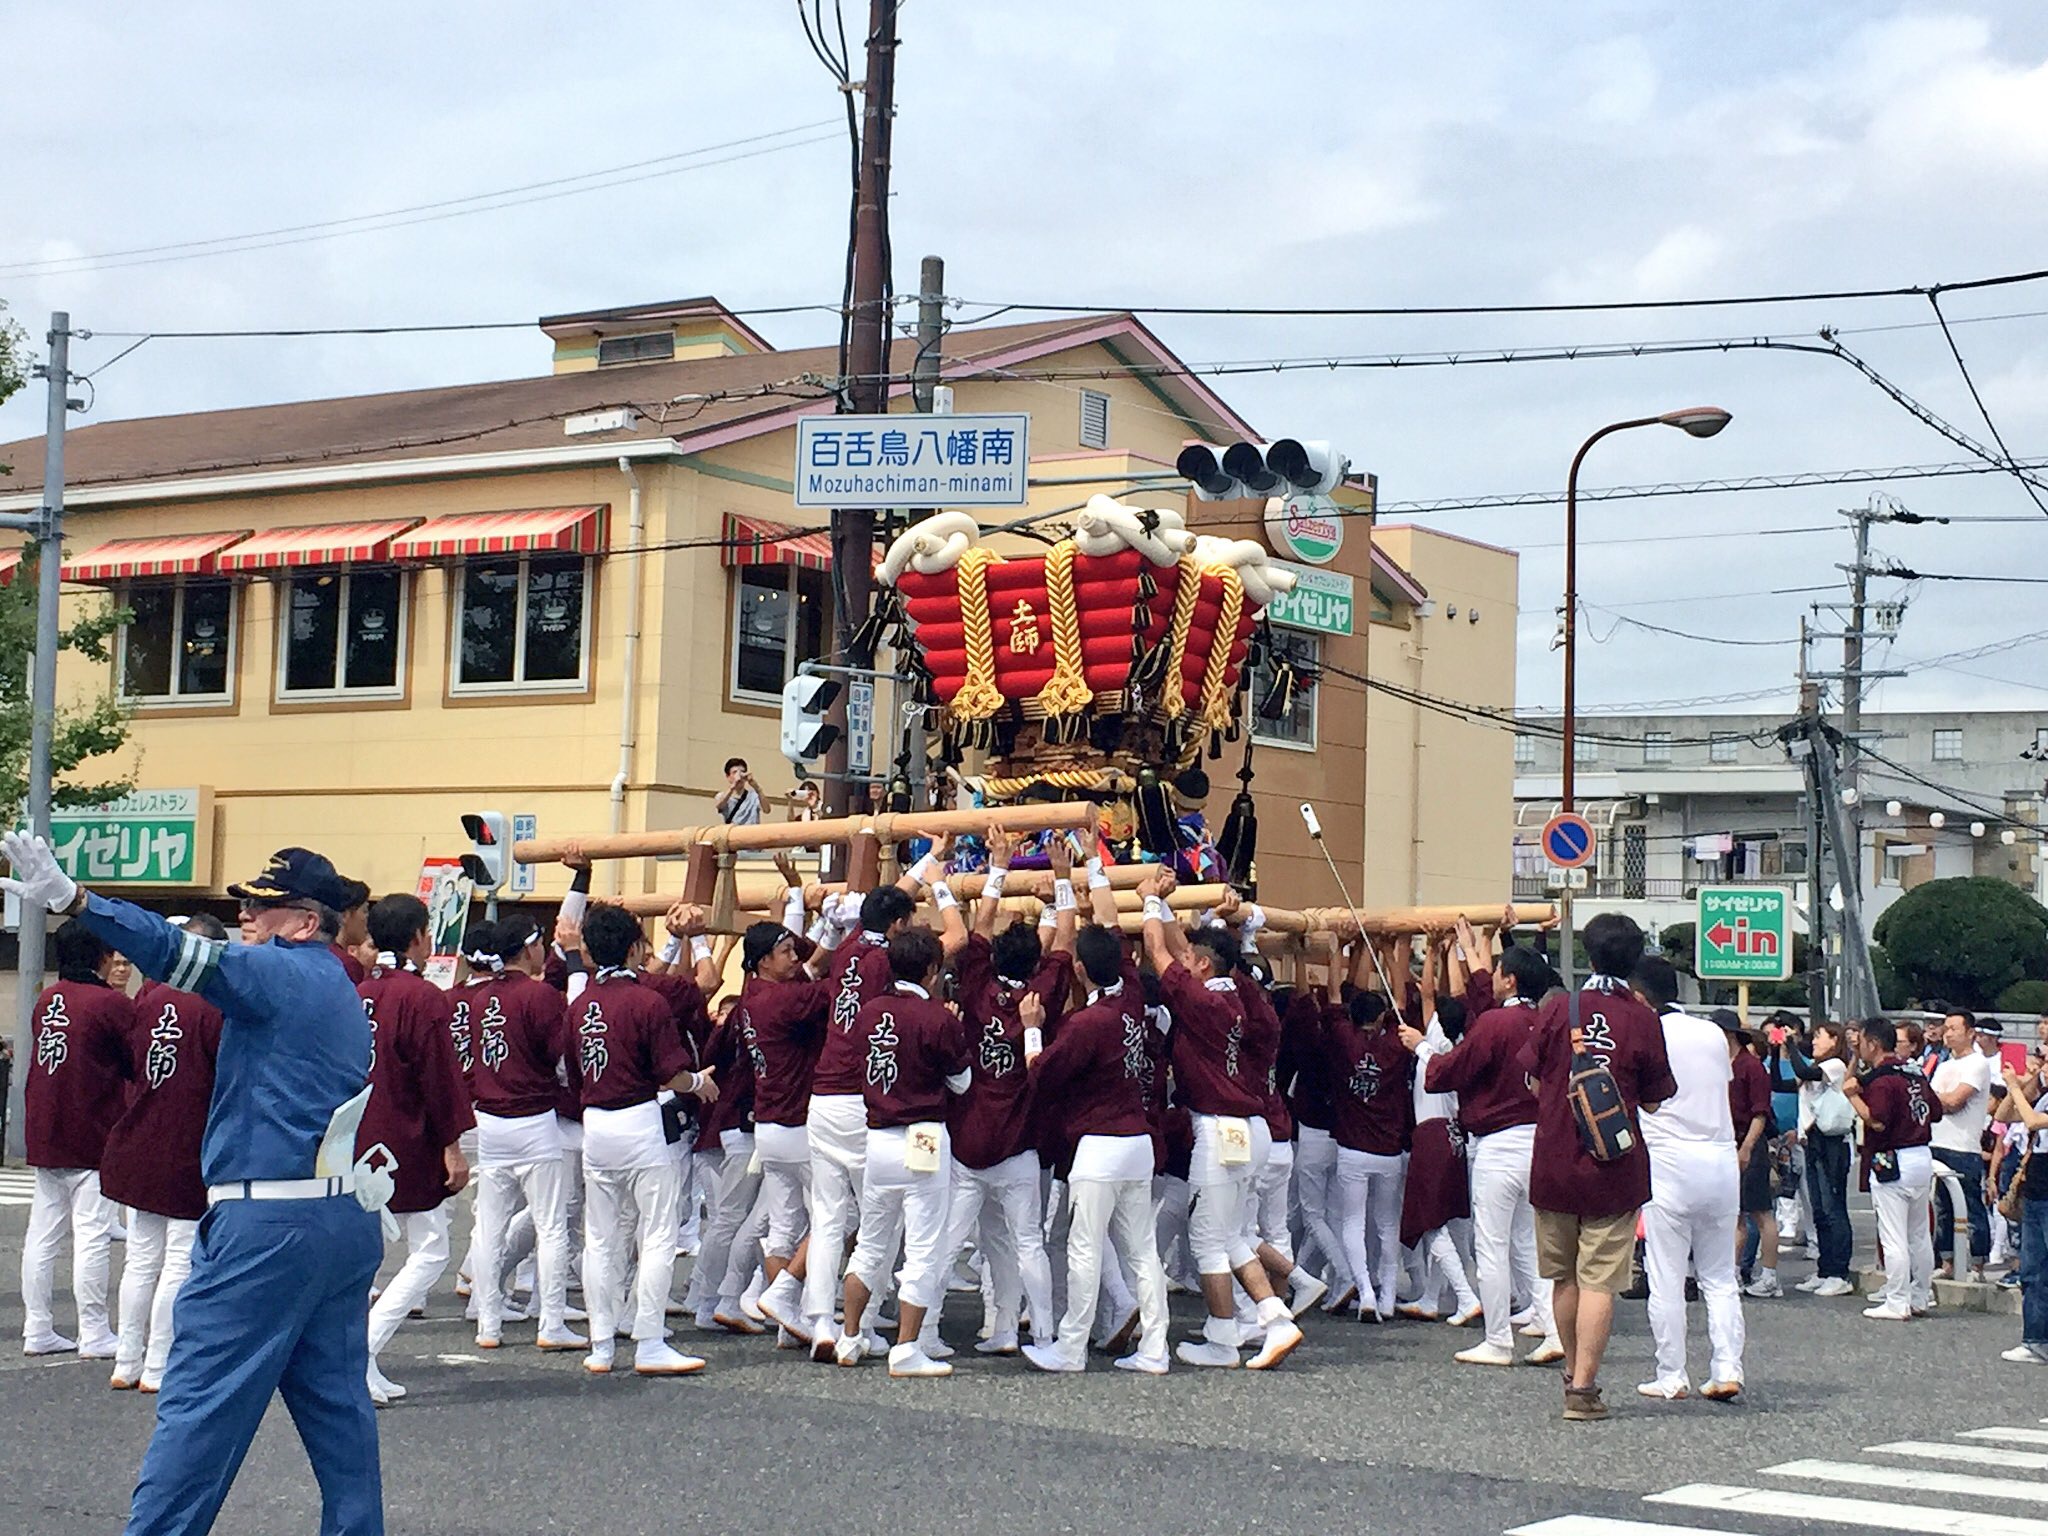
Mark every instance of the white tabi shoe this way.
pixel 910 1360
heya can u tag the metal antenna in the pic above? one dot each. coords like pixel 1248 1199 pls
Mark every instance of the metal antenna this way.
pixel 1315 832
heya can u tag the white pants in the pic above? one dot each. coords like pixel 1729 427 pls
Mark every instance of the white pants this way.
pixel 838 1128
pixel 1271 1199
pixel 894 1200
pixel 734 1192
pixel 784 1152
pixel 425 1234
pixel 67 1200
pixel 1102 1209
pixel 648 1196
pixel 572 1192
pixel 1218 1221
pixel 1504 1230
pixel 499 1187
pixel 1438 1264
pixel 158 1259
pixel 1004 1200
pixel 1315 1202
pixel 1691 1216
pixel 1171 1198
pixel 686 1194
pixel 1369 1207
pixel 1903 1208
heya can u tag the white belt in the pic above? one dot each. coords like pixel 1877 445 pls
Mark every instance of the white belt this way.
pixel 279 1189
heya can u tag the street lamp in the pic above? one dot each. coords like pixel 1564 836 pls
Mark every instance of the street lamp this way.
pixel 1694 421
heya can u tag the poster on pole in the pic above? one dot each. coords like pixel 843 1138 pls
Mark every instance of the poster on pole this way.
pixel 447 892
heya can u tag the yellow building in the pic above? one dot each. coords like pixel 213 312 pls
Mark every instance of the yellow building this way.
pixel 575 595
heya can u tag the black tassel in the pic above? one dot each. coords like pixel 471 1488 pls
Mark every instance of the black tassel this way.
pixel 1148 584
pixel 1215 746
pixel 1237 845
pixel 1156 829
pixel 1280 698
pixel 1107 732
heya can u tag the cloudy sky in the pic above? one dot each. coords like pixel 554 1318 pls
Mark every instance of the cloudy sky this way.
pixel 1146 152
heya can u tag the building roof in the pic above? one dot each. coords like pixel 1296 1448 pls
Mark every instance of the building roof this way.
pixel 699 402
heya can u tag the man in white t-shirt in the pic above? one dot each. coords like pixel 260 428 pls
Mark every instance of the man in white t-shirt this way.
pixel 1694 1195
pixel 1963 1084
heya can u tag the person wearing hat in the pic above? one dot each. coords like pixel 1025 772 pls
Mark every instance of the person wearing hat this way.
pixel 278 1298
pixel 1749 1105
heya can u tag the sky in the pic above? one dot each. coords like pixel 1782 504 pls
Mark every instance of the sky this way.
pixel 1243 155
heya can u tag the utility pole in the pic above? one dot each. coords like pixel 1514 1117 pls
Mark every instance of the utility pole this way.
pixel 866 390
pixel 49 531
pixel 1816 905
pixel 931 329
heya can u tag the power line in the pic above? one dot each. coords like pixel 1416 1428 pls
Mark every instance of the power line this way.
pixel 2032 490
pixel 403 330
pixel 486 202
pixel 1683 634
pixel 1589 307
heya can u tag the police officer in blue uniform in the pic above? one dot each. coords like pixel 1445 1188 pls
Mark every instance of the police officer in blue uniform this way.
pixel 278 1299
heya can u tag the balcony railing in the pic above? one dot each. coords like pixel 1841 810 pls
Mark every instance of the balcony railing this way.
pixel 1620 888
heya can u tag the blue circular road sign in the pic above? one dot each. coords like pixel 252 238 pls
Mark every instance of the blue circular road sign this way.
pixel 1568 840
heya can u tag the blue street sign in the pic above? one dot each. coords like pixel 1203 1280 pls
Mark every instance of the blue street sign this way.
pixel 1568 840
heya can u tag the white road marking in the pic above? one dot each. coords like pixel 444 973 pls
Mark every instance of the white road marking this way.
pixel 1918 1480
pixel 1989 1456
pixel 2007 1432
pixel 1877 1514
pixel 1603 1525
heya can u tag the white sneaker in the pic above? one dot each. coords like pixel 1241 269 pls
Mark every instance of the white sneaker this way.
pixel 1483 1353
pixel 106 1347
pixel 1885 1314
pixel 2024 1354
pixel 736 1321
pixel 1523 1318
pixel 782 1304
pixel 1147 1365
pixel 1047 1357
pixel 1670 1391
pixel 1304 1290
pixel 1834 1285
pixel 1810 1284
pixel 1549 1352
pixel 48 1344
pixel 1533 1329
pixel 935 1348
pixel 575 1315
pixel 563 1338
pixel 910 1360
pixel 1282 1339
pixel 997 1344
pixel 848 1349
pixel 1206 1353
pixel 877 1343
pixel 383 1391
pixel 599 1361
pixel 1764 1287
pixel 1465 1316
pixel 654 1357
pixel 489 1340
pixel 750 1298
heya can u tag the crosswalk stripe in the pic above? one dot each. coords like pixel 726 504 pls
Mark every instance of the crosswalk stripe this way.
pixel 1605 1525
pixel 1987 1456
pixel 2008 1432
pixel 1915 1479
pixel 1877 1514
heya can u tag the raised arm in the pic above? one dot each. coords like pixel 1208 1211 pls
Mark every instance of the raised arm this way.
pixel 1101 896
pixel 1164 942
pixel 990 906
pixel 927 870
pixel 1066 917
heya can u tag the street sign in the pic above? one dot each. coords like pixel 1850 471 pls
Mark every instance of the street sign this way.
pixel 1744 933
pixel 1562 879
pixel 1568 840
pixel 1307 525
pixel 525 828
pixel 909 460
pixel 860 726
pixel 1322 601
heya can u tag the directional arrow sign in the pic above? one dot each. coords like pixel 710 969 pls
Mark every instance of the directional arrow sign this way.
pixel 1744 933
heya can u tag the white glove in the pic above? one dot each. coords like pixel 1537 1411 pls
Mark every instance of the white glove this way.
pixel 37 878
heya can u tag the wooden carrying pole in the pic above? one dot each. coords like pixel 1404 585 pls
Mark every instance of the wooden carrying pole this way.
pixel 1387 922
pixel 1067 816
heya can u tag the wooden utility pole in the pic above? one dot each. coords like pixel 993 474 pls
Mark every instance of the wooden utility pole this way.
pixel 866 389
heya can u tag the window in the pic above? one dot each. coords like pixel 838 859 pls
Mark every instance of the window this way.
pixel 1295 723
pixel 2041 741
pixel 1094 419
pixel 342 632
pixel 1525 750
pixel 649 347
pixel 1948 746
pixel 1724 748
pixel 778 620
pixel 180 645
pixel 1585 750
pixel 520 623
pixel 1656 746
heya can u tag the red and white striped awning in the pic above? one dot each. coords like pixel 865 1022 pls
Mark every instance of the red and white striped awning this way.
pixel 756 541
pixel 534 531
pixel 276 549
pixel 177 554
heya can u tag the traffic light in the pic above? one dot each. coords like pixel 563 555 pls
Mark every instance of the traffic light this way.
pixel 1279 468
pixel 490 835
pixel 805 735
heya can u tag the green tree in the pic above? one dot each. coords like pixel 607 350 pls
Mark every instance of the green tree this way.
pixel 2024 997
pixel 86 729
pixel 1965 940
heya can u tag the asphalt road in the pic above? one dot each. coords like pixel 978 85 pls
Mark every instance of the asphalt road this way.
pixel 1365 1430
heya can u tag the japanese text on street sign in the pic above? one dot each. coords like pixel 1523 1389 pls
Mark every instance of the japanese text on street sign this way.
pixel 912 460
pixel 149 837
pixel 1321 600
pixel 1744 933
pixel 860 726
pixel 525 828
